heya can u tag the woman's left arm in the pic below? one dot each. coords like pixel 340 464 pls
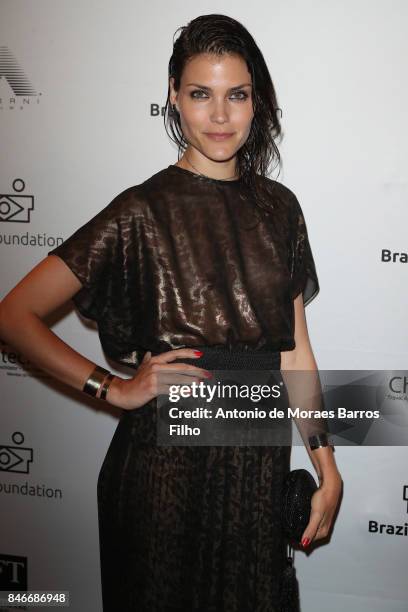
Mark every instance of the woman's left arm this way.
pixel 326 498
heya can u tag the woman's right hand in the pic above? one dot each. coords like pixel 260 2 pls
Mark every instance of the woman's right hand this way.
pixel 154 377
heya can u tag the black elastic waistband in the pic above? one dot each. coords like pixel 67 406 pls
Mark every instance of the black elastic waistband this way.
pixel 222 358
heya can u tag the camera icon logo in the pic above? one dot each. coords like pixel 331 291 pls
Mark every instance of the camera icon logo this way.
pixel 16 459
pixel 15 207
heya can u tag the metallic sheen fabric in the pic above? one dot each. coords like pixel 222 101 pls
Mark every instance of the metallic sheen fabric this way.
pixel 192 528
pixel 185 260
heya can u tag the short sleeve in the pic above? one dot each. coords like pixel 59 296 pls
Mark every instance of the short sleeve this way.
pixel 304 275
pixel 94 254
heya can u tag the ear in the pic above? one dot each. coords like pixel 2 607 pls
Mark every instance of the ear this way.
pixel 173 93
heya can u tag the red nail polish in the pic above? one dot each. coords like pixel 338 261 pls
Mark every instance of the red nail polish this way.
pixel 305 542
pixel 199 353
pixel 208 375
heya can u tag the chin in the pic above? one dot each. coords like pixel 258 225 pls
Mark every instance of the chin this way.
pixel 221 156
pixel 220 152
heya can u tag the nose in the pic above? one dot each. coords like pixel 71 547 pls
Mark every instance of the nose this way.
pixel 219 111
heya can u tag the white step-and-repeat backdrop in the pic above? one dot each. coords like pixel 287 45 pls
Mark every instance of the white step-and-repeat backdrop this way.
pixel 82 86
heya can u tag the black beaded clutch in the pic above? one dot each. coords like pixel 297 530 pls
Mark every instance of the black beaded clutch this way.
pixel 298 489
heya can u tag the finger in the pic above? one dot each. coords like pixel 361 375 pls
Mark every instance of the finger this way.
pixel 179 380
pixel 183 368
pixel 321 533
pixel 311 530
pixel 167 389
pixel 176 354
pixel 324 527
pixel 147 356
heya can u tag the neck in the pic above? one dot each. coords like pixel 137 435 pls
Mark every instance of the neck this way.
pixel 189 163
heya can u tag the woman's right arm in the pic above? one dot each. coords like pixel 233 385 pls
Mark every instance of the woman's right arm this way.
pixel 49 285
pixel 46 287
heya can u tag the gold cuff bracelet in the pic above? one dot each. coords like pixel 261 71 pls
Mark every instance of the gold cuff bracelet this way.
pixel 95 380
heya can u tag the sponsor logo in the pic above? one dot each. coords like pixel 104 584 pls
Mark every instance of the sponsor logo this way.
pixel 14 457
pixel 393 256
pixel 13 573
pixel 14 207
pixel 390 528
pixel 16 90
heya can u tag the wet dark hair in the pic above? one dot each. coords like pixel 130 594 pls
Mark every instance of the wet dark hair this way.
pixel 219 35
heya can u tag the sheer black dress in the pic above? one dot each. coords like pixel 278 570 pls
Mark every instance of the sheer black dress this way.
pixel 183 260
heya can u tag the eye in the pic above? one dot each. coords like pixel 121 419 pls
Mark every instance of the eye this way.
pixel 243 95
pixel 197 91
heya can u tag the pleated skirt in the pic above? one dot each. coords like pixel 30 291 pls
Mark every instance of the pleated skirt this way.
pixel 191 528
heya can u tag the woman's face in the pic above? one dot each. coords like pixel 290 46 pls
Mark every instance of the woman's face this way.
pixel 215 96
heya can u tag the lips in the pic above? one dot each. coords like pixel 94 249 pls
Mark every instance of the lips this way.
pixel 218 136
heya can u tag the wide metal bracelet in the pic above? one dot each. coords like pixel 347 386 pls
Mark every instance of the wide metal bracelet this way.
pixel 319 440
pixel 106 386
pixel 95 380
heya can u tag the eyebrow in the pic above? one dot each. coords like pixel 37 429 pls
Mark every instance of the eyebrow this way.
pixel 231 89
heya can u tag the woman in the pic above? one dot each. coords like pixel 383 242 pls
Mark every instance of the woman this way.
pixel 206 254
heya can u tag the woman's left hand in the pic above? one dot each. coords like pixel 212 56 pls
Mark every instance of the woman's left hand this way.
pixel 324 504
